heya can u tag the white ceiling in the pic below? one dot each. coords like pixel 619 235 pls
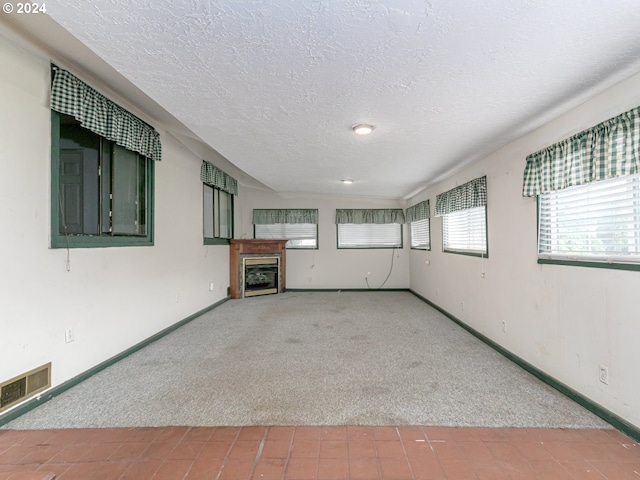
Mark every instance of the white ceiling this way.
pixel 275 85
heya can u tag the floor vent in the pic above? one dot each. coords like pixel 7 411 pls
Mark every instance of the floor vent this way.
pixel 24 386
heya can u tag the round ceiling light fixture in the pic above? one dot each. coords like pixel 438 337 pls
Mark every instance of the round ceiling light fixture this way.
pixel 347 181
pixel 362 129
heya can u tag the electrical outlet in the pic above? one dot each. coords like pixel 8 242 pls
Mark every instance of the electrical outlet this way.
pixel 504 326
pixel 604 374
pixel 211 285
pixel 462 305
pixel 68 335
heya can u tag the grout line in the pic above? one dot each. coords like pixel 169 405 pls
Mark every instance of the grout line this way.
pixel 226 457
pixel 259 452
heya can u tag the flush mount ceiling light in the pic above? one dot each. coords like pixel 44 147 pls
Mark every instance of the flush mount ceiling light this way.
pixel 347 181
pixel 362 129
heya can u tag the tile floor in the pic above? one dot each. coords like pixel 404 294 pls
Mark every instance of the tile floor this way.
pixel 300 453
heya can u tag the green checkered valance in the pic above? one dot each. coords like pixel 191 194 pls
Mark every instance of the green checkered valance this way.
pixel 470 195
pixel 95 112
pixel 212 175
pixel 285 215
pixel 610 149
pixel 420 211
pixel 377 215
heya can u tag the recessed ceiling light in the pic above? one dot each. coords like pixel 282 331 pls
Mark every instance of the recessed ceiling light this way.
pixel 347 181
pixel 363 129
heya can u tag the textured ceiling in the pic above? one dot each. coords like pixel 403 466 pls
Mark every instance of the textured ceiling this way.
pixel 275 85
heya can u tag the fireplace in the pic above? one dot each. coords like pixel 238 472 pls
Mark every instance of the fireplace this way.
pixel 257 267
pixel 260 275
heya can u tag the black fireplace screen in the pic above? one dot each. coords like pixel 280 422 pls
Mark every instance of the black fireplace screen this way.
pixel 260 276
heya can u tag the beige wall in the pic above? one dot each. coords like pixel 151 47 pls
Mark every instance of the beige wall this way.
pixel 328 267
pixel 564 320
pixel 112 297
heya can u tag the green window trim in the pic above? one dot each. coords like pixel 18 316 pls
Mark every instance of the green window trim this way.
pixel 221 226
pixel 59 240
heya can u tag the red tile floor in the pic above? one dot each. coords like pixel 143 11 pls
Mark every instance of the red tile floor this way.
pixel 299 453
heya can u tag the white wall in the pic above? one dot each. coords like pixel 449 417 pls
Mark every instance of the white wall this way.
pixel 564 320
pixel 112 297
pixel 328 267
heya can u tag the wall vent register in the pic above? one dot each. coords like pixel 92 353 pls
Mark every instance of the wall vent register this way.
pixel 24 386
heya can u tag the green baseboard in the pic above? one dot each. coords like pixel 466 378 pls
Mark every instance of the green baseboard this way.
pixel 614 420
pixel 32 403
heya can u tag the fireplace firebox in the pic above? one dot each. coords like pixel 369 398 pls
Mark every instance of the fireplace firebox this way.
pixel 257 267
pixel 261 275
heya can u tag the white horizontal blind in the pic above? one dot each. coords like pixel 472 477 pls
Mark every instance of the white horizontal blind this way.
pixel 597 222
pixel 300 235
pixel 465 231
pixel 420 234
pixel 369 235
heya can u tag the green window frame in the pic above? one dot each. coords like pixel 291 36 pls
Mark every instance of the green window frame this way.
pixel 465 232
pixel 592 225
pixel 110 202
pixel 369 228
pixel 218 214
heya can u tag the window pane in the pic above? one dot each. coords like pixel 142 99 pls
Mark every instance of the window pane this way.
pixel 420 234
pixel 79 187
pixel 465 231
pixel 595 222
pixel 300 235
pixel 225 214
pixel 128 185
pixel 207 207
pixel 369 235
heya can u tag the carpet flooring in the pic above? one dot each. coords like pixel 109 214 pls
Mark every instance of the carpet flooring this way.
pixel 319 358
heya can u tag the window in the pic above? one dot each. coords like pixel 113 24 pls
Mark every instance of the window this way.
pixel 464 218
pixel 370 228
pixel 420 235
pixel 101 191
pixel 218 215
pixel 465 231
pixel 102 160
pixel 369 235
pixel 596 222
pixel 299 225
pixel 417 216
pixel 218 190
pixel 300 235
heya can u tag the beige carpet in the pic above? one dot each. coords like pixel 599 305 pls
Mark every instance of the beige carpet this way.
pixel 321 358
